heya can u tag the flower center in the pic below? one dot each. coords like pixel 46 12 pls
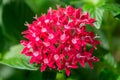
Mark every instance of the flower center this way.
pixel 45 61
pixel 63 36
pixel 28 45
pixel 47 20
pixel 56 57
pixel 79 56
pixel 35 54
pixel 44 30
pixel 74 41
pixel 67 48
pixel 46 44
pixel 51 36
pixel 37 38
pixel 39 23
pixel 67 27
pixel 33 35
pixel 67 64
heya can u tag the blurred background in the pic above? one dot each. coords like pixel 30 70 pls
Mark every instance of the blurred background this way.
pixel 13 15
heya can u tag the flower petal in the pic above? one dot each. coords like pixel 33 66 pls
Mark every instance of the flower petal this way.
pixel 67 71
pixel 43 67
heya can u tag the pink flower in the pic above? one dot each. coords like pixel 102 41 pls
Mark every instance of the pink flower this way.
pixel 58 40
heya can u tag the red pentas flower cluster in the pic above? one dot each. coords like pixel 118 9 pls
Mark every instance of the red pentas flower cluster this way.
pixel 58 39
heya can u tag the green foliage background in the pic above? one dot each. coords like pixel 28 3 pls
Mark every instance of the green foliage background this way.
pixel 13 15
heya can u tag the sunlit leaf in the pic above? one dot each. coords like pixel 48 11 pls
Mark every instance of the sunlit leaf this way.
pixel 110 60
pixel 14 59
pixel 96 3
pixel 95 12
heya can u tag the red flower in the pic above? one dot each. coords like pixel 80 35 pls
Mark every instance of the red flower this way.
pixel 58 39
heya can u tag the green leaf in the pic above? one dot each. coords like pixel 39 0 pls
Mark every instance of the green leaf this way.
pixel 49 75
pixel 61 75
pixel 6 72
pixel 95 12
pixel 110 60
pixel 113 8
pixel 76 3
pixel 98 14
pixel 0 14
pixel 0 78
pixel 95 3
pixel 103 39
pixel 14 14
pixel 0 55
pixel 118 78
pixel 0 2
pixel 15 59
pixel 107 74
pixel 41 6
pixel 2 41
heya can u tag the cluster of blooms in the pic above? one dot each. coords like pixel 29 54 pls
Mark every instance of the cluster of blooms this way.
pixel 58 39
